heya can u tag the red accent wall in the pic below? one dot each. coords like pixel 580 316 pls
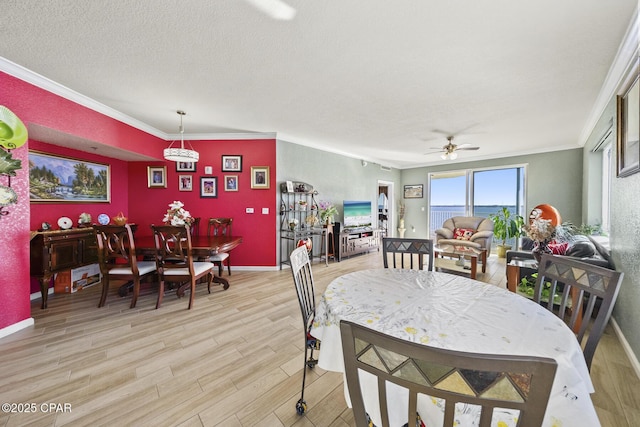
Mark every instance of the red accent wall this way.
pixel 129 192
pixel 148 205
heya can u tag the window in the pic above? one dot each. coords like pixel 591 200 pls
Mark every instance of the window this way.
pixel 474 192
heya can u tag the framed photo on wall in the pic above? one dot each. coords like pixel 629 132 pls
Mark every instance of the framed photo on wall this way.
pixel 186 166
pixel 231 163
pixel 260 177
pixel 157 176
pixel 628 144
pixel 208 186
pixel 413 191
pixel 185 182
pixel 231 183
pixel 63 179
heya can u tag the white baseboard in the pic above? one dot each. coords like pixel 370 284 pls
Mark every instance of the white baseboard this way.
pixel 627 348
pixel 38 295
pixel 16 327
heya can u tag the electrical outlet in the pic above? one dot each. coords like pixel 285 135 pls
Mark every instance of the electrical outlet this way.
pixel 249 210
pixel 265 211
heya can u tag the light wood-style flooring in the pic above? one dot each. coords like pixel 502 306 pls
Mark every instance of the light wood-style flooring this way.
pixel 235 359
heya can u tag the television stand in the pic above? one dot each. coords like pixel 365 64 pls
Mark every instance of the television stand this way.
pixel 359 240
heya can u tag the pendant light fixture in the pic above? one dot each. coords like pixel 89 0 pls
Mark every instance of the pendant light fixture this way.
pixel 181 154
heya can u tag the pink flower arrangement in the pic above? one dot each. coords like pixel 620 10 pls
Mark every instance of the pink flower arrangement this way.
pixel 177 215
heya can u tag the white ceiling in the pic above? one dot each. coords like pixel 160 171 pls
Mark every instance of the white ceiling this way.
pixel 378 80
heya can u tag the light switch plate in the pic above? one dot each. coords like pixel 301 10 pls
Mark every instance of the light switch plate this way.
pixel 249 210
pixel 265 211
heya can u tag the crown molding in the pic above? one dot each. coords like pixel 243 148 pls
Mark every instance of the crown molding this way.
pixel 49 85
pixel 625 62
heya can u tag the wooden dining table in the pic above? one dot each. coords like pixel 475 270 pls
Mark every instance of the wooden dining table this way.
pixel 202 248
pixel 457 313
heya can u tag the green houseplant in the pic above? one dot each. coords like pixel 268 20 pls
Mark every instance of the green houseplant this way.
pixel 506 226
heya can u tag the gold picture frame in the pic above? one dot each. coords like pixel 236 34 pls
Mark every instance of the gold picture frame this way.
pixel 628 115
pixel 157 176
pixel 260 177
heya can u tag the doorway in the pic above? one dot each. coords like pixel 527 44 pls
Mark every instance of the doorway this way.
pixel 385 202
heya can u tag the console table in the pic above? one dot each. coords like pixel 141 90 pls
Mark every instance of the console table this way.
pixel 60 250
pixel 357 241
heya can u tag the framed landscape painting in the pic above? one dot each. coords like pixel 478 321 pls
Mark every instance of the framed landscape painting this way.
pixel 413 191
pixel 63 179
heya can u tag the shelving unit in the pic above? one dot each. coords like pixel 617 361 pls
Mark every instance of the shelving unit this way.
pixel 298 202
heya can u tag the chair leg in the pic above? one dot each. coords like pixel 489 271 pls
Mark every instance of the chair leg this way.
pixel 220 267
pixel 193 292
pixel 160 293
pixel 136 291
pixel 229 265
pixel 105 290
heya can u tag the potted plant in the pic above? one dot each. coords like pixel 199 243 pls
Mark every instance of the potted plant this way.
pixel 506 226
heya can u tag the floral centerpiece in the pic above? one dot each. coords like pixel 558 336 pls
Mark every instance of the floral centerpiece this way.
pixel 177 215
pixel 541 231
pixel 327 211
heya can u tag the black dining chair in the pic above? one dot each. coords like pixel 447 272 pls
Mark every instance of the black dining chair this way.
pixel 491 382
pixel 407 253
pixel 586 296
pixel 303 280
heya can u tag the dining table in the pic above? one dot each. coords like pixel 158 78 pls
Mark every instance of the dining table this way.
pixel 456 313
pixel 202 247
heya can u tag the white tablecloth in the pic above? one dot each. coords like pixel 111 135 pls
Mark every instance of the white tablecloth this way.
pixel 454 312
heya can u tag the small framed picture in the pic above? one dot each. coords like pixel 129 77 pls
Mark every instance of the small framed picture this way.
pixel 231 163
pixel 209 186
pixel 260 177
pixel 157 176
pixel 231 183
pixel 413 191
pixel 185 182
pixel 186 166
pixel 289 186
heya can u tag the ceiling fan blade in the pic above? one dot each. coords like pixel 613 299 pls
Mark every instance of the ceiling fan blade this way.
pixel 276 9
pixel 468 148
pixel 463 146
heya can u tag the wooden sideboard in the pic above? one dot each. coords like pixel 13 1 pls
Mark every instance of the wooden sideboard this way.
pixel 352 242
pixel 60 250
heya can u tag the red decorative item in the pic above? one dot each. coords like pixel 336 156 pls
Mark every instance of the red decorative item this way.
pixel 306 242
pixel 546 212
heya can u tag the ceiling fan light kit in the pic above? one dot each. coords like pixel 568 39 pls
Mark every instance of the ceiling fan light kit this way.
pixel 449 150
pixel 181 154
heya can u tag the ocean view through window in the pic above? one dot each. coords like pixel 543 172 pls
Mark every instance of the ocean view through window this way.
pixel 471 192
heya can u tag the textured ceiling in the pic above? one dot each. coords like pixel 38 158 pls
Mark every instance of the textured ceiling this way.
pixel 374 79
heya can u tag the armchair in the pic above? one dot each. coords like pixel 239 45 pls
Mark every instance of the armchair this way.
pixel 466 231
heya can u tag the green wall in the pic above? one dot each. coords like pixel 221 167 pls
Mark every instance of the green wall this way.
pixel 553 178
pixel 624 233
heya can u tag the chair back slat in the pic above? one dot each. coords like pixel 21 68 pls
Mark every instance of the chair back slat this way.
pixel 581 287
pixel 116 246
pixel 219 226
pixel 407 253
pixel 520 384
pixel 303 279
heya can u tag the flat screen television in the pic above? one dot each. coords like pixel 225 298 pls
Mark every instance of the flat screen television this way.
pixel 357 213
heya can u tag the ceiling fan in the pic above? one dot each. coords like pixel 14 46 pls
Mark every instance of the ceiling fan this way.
pixel 449 150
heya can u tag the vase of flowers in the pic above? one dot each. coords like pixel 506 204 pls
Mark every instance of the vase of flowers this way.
pixel 176 214
pixel 293 223
pixel 541 231
pixel 327 211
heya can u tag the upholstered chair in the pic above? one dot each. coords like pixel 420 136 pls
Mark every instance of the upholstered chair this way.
pixel 472 231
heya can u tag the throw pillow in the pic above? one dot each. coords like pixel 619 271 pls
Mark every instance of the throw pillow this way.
pixel 559 248
pixel 463 233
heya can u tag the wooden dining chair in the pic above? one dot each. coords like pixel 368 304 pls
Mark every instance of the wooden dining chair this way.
pixel 586 296
pixel 220 227
pixel 520 384
pixel 303 280
pixel 195 226
pixel 407 253
pixel 118 259
pixel 175 263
